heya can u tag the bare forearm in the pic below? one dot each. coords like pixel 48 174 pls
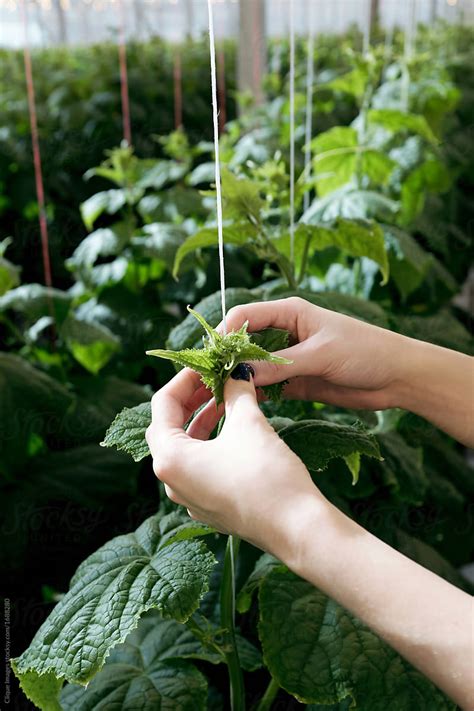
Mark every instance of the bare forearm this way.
pixel 427 620
pixel 438 384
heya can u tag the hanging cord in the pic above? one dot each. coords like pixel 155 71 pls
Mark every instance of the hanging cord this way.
pixel 309 107
pixel 127 130
pixel 43 224
pixel 215 118
pixel 292 132
pixel 407 53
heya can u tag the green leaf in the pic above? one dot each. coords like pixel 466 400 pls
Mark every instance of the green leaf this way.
pixel 87 475
pixel 241 198
pixel 442 328
pixel 335 158
pixel 109 593
pixel 9 275
pixel 356 238
pixel 127 431
pixel 91 344
pixel 35 301
pixel 316 442
pixel 162 172
pixel 147 671
pixel 432 176
pixel 31 402
pixel 336 655
pixel 204 173
pixel 104 242
pixel 160 241
pixel 402 468
pixel 219 356
pixel 353 82
pixel 109 201
pixel 264 565
pixel 352 204
pixel 398 121
pixel 410 263
pixel 238 234
pixel 42 689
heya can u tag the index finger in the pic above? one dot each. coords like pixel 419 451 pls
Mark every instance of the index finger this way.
pixel 282 313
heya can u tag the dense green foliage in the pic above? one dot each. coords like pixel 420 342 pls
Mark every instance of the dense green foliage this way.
pixel 385 239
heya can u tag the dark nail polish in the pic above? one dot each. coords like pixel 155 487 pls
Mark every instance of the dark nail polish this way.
pixel 243 371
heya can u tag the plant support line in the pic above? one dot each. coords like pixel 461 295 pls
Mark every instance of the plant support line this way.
pixel 36 153
pixel 215 118
pixel 292 132
pixel 127 130
pixel 309 106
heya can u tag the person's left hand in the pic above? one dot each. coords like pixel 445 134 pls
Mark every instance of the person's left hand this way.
pixel 246 481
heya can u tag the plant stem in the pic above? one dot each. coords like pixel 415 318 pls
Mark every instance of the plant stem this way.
pixel 237 691
pixel 269 696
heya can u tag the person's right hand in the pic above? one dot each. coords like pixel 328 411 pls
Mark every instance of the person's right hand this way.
pixel 336 359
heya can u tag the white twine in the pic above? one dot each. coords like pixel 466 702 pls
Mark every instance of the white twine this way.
pixel 309 106
pixel 215 118
pixel 292 132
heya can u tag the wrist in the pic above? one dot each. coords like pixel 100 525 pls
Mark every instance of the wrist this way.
pixel 302 522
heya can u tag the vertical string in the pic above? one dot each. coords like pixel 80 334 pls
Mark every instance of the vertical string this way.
pixel 221 87
pixel 309 105
pixel 215 119
pixel 178 90
pixel 36 149
pixel 126 125
pixel 407 52
pixel 292 132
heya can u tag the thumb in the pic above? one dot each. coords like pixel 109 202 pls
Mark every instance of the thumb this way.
pixel 240 396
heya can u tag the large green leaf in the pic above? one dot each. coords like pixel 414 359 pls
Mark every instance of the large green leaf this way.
pixel 147 671
pixel 356 238
pixel 398 121
pixel 109 593
pixel 238 234
pixel 336 655
pixel 127 431
pixel 316 442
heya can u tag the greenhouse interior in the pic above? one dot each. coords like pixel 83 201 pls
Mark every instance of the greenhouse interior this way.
pixel 236 355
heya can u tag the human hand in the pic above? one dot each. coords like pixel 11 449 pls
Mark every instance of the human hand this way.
pixel 246 481
pixel 336 359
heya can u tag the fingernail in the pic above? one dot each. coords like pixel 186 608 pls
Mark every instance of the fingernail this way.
pixel 243 371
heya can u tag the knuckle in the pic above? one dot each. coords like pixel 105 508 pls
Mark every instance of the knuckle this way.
pixel 296 301
pixel 235 314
